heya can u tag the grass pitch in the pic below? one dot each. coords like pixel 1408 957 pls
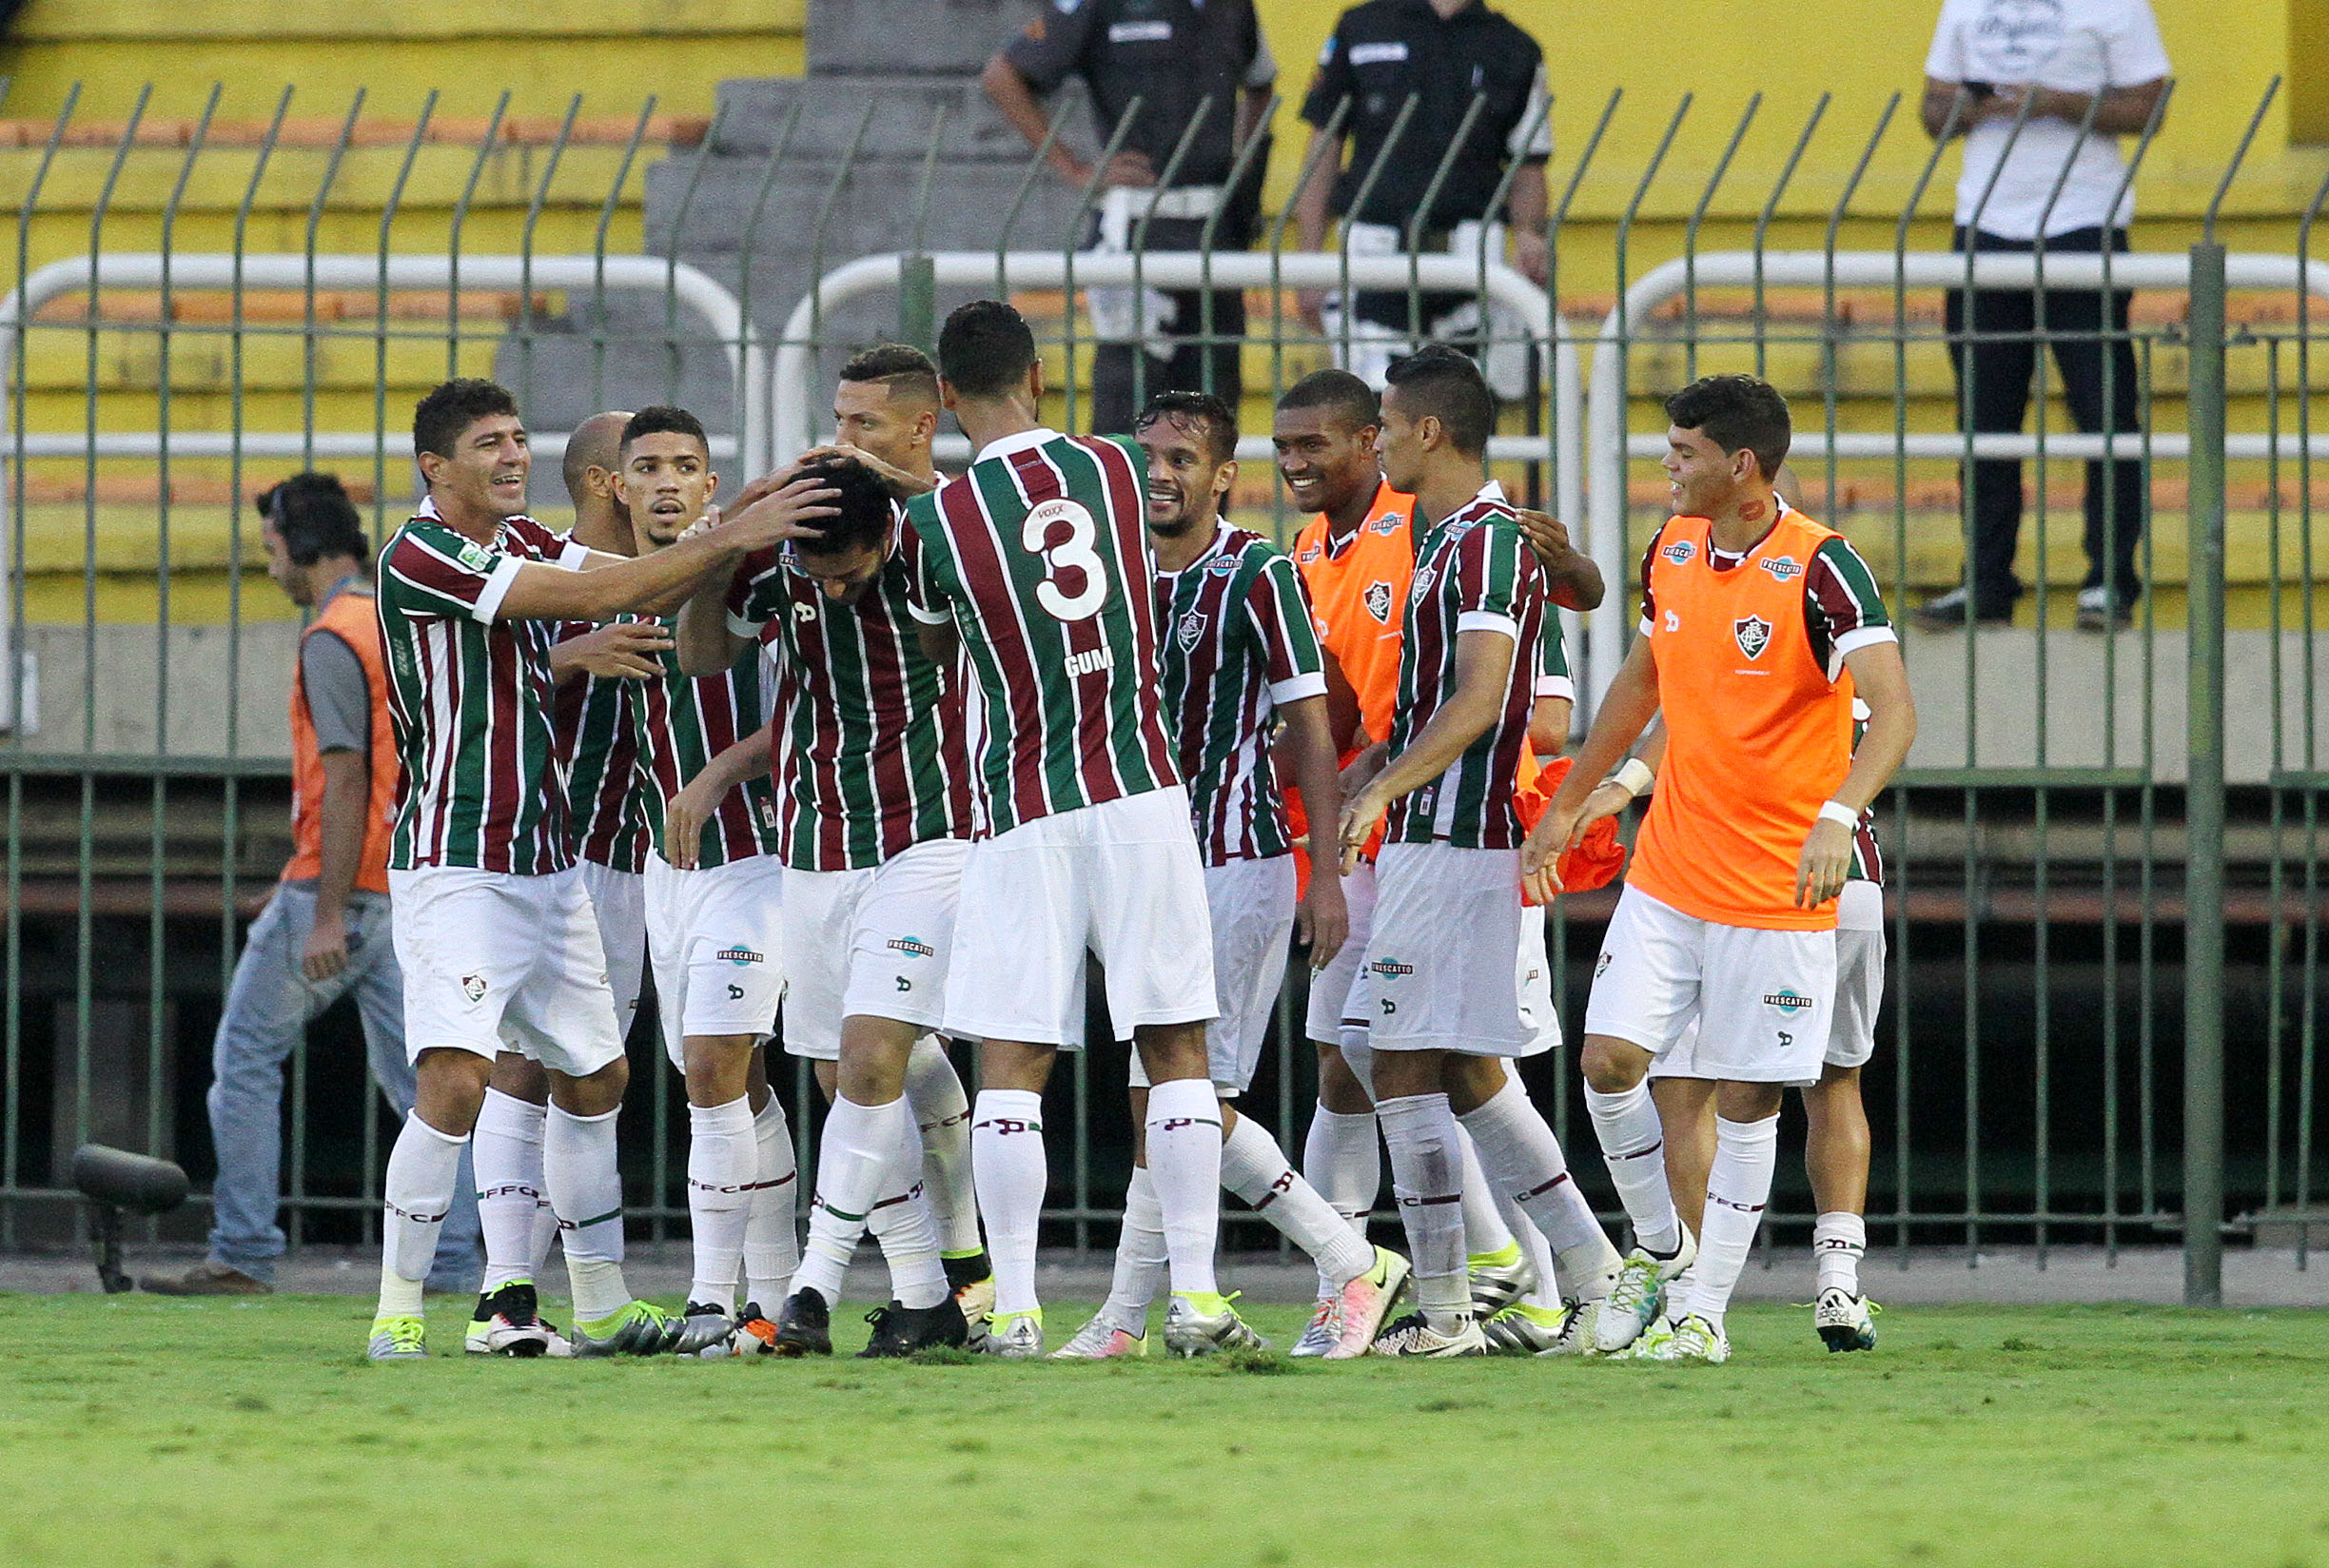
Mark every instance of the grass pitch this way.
pixel 245 1434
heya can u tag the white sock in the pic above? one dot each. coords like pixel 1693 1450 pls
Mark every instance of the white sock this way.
pixel 415 1198
pixel 723 1169
pixel 1140 1260
pixel 1546 1292
pixel 1524 1160
pixel 772 1230
pixel 907 1224
pixel 941 1113
pixel 1007 1159
pixel 1184 1161
pixel 1738 1187
pixel 585 1188
pixel 1634 1148
pixel 1839 1239
pixel 855 1157
pixel 1342 1158
pixel 1255 1169
pixel 1486 1233
pixel 507 1148
pixel 1421 1132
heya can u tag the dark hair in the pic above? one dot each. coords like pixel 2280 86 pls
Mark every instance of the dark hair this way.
pixel 662 419
pixel 985 348
pixel 1737 412
pixel 316 518
pixel 897 367
pixel 1219 419
pixel 1351 399
pixel 864 507
pixel 440 418
pixel 1438 382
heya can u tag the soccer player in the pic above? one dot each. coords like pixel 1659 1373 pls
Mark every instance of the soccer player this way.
pixel 1241 659
pixel 1357 558
pixel 1446 1013
pixel 1035 570
pixel 851 687
pixel 1758 628
pixel 499 935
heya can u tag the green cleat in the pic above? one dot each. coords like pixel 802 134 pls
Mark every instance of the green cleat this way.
pixel 641 1328
pixel 398 1340
pixel 1525 1329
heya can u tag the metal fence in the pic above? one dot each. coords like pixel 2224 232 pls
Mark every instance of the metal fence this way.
pixel 2106 917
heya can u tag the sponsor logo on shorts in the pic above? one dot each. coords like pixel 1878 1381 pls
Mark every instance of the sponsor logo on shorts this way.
pixel 1679 552
pixel 1091 661
pixel 1191 630
pixel 736 992
pixel 1788 1000
pixel 1782 567
pixel 904 984
pixel 1391 967
pixel 1379 602
pixel 1754 634
pixel 739 957
pixel 914 945
pixel 473 987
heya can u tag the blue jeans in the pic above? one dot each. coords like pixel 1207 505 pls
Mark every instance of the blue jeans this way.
pixel 268 1009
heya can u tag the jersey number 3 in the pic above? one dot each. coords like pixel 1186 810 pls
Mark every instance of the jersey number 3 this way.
pixel 1073 554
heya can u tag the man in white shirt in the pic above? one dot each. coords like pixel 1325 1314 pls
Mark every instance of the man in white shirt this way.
pixel 2041 90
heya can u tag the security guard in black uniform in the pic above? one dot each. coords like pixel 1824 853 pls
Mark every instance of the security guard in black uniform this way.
pixel 1174 55
pixel 1443 53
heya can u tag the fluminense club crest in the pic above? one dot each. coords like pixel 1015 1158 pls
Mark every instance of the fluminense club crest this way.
pixel 1379 602
pixel 1754 634
pixel 1192 628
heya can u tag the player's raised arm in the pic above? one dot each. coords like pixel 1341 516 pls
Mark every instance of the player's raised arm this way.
pixel 1571 579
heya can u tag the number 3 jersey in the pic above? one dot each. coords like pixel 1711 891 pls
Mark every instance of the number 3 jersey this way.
pixel 1039 556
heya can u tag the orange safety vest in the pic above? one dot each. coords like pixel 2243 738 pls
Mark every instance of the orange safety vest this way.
pixel 352 617
pixel 1759 737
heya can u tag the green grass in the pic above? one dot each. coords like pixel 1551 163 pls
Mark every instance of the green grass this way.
pixel 140 1431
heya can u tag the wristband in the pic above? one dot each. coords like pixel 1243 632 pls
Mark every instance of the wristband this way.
pixel 1633 776
pixel 1836 811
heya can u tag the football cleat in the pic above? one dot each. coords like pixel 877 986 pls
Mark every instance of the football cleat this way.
pixel 975 1299
pixel 754 1335
pixel 1413 1335
pixel 1634 1301
pixel 1844 1321
pixel 1525 1329
pixel 1500 1279
pixel 900 1330
pixel 1101 1340
pixel 641 1328
pixel 1205 1326
pixel 397 1339
pixel 1015 1336
pixel 704 1331
pixel 1366 1303
pixel 1577 1331
pixel 1325 1329
pixel 1648 1346
pixel 508 1322
pixel 1694 1339
pixel 805 1326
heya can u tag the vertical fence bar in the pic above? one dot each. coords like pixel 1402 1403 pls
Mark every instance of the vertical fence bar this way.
pixel 2204 888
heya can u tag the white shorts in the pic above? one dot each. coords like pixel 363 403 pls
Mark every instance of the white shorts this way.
pixel 494 961
pixel 1332 1017
pixel 713 936
pixel 1761 999
pixel 1121 881
pixel 1251 903
pixel 1532 979
pixel 1860 974
pixel 1441 970
pixel 874 943
pixel 618 901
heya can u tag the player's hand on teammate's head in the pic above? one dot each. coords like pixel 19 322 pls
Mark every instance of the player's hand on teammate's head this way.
pixel 900 484
pixel 620 650
pixel 767 484
pixel 782 514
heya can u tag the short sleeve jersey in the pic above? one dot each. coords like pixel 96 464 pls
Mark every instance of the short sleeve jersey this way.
pixel 681 723
pixel 470 699
pixel 2076 46
pixel 1474 572
pixel 1172 56
pixel 1386 51
pixel 1238 642
pixel 606 819
pixel 1039 556
pixel 869 735
pixel 1359 590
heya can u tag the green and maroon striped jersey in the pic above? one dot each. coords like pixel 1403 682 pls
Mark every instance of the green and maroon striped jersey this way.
pixel 1868 855
pixel 681 723
pixel 868 739
pixel 470 698
pixel 1239 641
pixel 1474 572
pixel 606 820
pixel 1039 556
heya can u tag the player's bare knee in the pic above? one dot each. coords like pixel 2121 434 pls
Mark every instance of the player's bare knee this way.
pixel 1743 1101
pixel 1010 1064
pixel 718 1068
pixel 594 1094
pixel 874 1053
pixel 1170 1051
pixel 1400 1074
pixel 1471 1081
pixel 1610 1066
pixel 1340 1089
pixel 449 1088
pixel 521 1078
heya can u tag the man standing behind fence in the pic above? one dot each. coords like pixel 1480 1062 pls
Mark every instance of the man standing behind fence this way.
pixel 324 933
pixel 1198 70
pixel 2041 94
pixel 1446 55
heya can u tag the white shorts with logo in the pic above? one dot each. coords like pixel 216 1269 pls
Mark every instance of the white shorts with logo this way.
pixel 1760 1000
pixel 1860 974
pixel 713 935
pixel 873 942
pixel 494 961
pixel 1442 968
pixel 1334 991
pixel 1121 881
pixel 1251 903
pixel 618 901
